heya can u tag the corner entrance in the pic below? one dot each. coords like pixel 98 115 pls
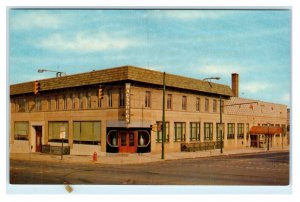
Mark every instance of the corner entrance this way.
pixel 127 141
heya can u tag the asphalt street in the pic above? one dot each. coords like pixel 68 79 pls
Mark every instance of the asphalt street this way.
pixel 269 168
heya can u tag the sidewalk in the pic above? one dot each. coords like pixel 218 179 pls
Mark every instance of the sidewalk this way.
pixel 120 158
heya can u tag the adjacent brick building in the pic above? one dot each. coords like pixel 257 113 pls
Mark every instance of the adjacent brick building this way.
pixel 71 106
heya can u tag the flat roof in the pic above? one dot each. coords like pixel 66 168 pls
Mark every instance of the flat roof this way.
pixel 123 73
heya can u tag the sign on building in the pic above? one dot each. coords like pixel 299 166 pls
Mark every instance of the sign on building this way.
pixel 127 103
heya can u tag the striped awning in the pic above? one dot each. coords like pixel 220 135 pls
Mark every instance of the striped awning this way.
pixel 266 130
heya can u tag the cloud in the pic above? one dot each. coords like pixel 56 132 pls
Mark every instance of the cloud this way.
pixel 254 87
pixel 192 14
pixel 221 70
pixel 38 19
pixel 285 98
pixel 85 42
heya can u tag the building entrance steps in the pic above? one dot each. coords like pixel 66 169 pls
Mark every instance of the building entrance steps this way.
pixel 136 158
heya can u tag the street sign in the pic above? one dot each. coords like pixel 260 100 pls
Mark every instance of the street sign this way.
pixel 62 133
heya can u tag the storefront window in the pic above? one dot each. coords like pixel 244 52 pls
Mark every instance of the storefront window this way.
pixel 230 133
pixel 86 132
pixel 179 128
pixel 21 130
pixel 54 128
pixel 195 131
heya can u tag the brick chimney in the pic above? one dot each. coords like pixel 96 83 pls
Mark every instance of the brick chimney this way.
pixel 235 84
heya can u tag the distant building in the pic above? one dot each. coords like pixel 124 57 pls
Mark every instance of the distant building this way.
pixel 120 110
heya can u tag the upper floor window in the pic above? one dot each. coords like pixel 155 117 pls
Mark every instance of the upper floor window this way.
pixel 81 101
pixel 88 100
pixel 121 98
pixel 73 101
pixel 22 105
pixel 65 100
pixel 206 105
pixel 197 104
pixel 214 105
pixel 148 99
pixel 38 105
pixel 57 102
pixel 169 101
pixel 184 102
pixel 49 103
pixel 222 103
pixel 109 94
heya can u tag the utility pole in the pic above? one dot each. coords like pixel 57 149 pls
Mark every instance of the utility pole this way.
pixel 221 125
pixel 163 119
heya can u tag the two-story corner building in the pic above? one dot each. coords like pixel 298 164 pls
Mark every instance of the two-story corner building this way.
pixel 71 107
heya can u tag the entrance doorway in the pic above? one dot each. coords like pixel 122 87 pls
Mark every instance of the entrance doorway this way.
pixel 128 141
pixel 38 138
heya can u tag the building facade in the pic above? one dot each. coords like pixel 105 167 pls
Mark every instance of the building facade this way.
pixel 120 110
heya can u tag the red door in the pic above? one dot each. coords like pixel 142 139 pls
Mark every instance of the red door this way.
pixel 127 142
pixel 38 138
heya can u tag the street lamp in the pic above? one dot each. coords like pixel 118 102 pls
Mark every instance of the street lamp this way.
pixel 221 125
pixel 58 73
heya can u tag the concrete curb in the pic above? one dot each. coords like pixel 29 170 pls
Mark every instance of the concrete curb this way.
pixel 133 158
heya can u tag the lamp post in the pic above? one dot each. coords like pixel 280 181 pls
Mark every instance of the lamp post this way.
pixel 221 136
pixel 221 125
pixel 163 119
pixel 58 73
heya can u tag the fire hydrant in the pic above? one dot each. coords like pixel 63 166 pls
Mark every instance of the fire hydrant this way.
pixel 95 156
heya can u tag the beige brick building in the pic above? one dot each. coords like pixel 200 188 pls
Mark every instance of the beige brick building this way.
pixel 70 107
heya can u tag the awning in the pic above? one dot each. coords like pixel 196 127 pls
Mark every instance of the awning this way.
pixel 267 130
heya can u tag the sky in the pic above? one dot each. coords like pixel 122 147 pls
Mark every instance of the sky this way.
pixel 256 44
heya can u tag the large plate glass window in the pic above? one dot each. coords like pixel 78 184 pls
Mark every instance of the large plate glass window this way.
pixel 21 130
pixel 54 130
pixel 86 132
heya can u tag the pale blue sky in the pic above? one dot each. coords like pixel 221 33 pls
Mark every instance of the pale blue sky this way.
pixel 256 44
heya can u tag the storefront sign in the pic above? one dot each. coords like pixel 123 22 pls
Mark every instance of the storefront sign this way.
pixel 127 102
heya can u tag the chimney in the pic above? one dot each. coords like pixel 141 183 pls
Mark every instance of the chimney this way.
pixel 235 84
